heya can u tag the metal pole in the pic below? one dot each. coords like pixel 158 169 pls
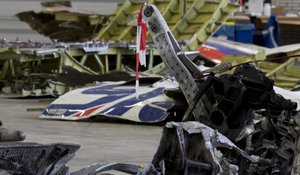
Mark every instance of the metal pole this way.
pixel 106 63
pixel 151 59
pixel 83 59
pixel 100 63
pixel 182 7
pixel 119 57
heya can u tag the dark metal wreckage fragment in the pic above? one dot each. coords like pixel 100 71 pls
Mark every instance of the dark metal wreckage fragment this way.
pixel 35 159
pixel 32 158
pixel 193 148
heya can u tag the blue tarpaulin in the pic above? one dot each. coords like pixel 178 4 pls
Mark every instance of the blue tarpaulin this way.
pixel 271 34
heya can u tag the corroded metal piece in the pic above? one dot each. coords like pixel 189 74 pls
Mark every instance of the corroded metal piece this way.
pixel 36 159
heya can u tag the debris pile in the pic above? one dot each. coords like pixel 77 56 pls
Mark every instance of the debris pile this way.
pixel 248 129
pixel 241 125
pixel 32 158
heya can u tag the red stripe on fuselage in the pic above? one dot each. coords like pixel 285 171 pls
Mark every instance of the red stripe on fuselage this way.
pixel 87 112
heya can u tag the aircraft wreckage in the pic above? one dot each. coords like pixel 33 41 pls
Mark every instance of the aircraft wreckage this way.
pixel 39 69
pixel 233 124
pixel 157 102
pixel 118 31
pixel 58 20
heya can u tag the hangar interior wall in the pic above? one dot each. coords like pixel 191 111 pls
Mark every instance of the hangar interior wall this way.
pixel 290 6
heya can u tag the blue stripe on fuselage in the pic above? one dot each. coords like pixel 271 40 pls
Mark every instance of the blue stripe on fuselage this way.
pixel 124 106
pixel 152 114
